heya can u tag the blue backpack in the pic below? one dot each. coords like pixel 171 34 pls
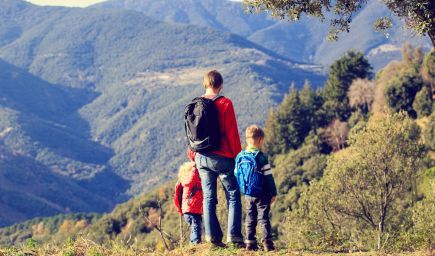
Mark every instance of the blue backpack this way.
pixel 249 178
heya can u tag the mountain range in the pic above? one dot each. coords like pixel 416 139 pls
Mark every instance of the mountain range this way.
pixel 91 101
pixel 47 164
pixel 303 40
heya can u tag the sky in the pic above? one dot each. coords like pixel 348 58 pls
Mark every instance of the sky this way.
pixel 73 3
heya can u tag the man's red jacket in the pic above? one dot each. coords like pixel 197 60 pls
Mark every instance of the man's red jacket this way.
pixel 230 139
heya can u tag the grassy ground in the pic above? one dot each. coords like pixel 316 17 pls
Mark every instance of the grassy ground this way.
pixel 83 247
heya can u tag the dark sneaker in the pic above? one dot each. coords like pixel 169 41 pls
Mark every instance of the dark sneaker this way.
pixel 251 247
pixel 218 245
pixel 268 246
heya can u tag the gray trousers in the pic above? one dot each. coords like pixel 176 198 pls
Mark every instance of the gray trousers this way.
pixel 257 211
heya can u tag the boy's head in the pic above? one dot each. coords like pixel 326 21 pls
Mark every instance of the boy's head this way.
pixel 254 136
pixel 213 80
pixel 185 169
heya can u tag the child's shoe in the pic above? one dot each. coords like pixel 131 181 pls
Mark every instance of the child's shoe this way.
pixel 252 247
pixel 268 245
pixel 218 245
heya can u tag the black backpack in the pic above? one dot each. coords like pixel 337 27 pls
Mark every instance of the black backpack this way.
pixel 201 121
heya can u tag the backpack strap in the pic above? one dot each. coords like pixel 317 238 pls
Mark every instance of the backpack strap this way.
pixel 217 97
pixel 212 99
pixel 255 153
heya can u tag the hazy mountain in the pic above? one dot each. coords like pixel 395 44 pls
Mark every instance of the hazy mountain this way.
pixel 97 95
pixel 302 41
pixel 48 163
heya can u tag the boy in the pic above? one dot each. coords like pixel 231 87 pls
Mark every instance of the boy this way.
pixel 188 198
pixel 256 182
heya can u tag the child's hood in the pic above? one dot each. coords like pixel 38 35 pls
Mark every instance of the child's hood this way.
pixel 188 177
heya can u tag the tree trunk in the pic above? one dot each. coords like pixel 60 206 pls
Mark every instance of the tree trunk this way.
pixel 379 236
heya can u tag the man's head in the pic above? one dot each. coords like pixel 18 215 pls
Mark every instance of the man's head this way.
pixel 254 136
pixel 213 80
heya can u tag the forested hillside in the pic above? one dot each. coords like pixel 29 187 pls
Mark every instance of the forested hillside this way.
pixel 96 96
pixel 43 140
pixel 353 163
pixel 303 40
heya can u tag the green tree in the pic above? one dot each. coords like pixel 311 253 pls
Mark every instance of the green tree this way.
pixel 429 132
pixel 274 141
pixel 400 91
pixel 298 168
pixel 366 189
pixel 418 14
pixel 351 66
pixel 428 69
pixel 423 104
pixel 312 102
pixel 288 126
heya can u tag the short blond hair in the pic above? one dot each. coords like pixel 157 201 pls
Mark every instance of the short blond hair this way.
pixel 185 169
pixel 213 79
pixel 254 134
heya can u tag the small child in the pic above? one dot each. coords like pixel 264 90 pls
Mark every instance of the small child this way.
pixel 188 198
pixel 257 207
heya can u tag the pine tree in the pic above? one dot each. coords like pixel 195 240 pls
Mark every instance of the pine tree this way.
pixel 287 127
pixel 273 141
pixel 312 102
pixel 351 66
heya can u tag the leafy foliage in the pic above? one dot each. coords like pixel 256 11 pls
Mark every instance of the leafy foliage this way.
pixel 401 91
pixel 366 190
pixel 336 134
pixel 399 82
pixel 295 170
pixel 55 229
pixel 419 15
pixel 290 126
pixel 351 66
pixel 361 95
pixel 312 102
pixel 429 132
pixel 423 103
pixel 428 68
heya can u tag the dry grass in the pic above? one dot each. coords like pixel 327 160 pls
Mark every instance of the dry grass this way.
pixel 206 249
pixel 84 247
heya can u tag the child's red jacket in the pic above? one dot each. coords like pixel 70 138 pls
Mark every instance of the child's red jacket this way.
pixel 188 193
